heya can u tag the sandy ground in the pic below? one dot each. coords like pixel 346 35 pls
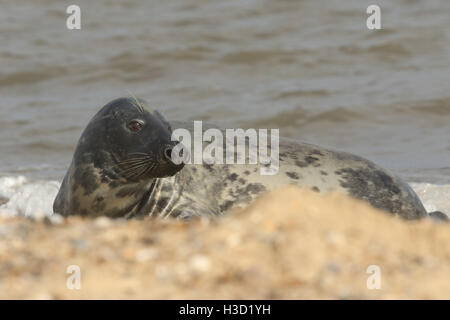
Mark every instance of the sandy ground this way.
pixel 290 244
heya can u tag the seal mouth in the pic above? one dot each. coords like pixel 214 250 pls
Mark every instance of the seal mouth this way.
pixel 138 166
pixel 170 162
pixel 175 154
pixel 168 153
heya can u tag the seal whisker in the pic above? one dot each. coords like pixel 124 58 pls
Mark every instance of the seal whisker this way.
pixel 135 167
pixel 126 167
pixel 131 162
pixel 136 103
pixel 136 158
pixel 140 153
pixel 134 161
pixel 140 172
pixel 137 173
pixel 167 212
pixel 149 169
pixel 132 169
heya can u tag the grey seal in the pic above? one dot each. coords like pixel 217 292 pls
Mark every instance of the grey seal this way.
pixel 122 168
pixel 117 161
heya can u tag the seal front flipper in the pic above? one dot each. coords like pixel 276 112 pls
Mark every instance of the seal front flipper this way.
pixel 439 216
pixel 61 202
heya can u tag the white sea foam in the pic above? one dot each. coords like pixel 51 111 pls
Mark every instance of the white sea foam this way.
pixel 434 197
pixel 27 198
pixel 35 198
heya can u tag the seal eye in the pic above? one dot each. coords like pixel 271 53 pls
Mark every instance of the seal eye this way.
pixel 135 126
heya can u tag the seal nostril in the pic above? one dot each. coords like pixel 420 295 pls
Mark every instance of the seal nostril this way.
pixel 168 154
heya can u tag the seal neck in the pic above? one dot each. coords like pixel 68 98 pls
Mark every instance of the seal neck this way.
pixel 161 198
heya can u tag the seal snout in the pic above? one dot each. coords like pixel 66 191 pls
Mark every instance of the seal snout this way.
pixel 172 156
pixel 175 154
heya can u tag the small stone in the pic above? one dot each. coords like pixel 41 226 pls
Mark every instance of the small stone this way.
pixel 102 222
pixel 56 219
pixel 128 254
pixel 146 254
pixel 205 221
pixel 200 263
pixel 233 240
pixel 106 254
pixel 3 200
pixel 334 238
pixel 256 217
pixel 162 272
pixel 333 267
pixel 80 244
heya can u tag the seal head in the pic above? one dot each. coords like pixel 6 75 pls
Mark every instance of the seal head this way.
pixel 125 148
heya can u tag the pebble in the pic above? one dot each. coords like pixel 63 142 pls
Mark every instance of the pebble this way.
pixel 3 200
pixel 334 238
pixel 56 219
pixel 233 240
pixel 146 254
pixel 200 263
pixel 103 222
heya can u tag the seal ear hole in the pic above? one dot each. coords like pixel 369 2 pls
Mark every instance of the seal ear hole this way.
pixel 135 125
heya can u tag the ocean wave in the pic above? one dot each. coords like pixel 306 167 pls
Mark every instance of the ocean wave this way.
pixel 300 116
pixel 22 197
pixel 434 197
pixel 35 75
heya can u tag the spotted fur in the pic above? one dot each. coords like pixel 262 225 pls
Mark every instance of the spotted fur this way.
pixel 90 189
